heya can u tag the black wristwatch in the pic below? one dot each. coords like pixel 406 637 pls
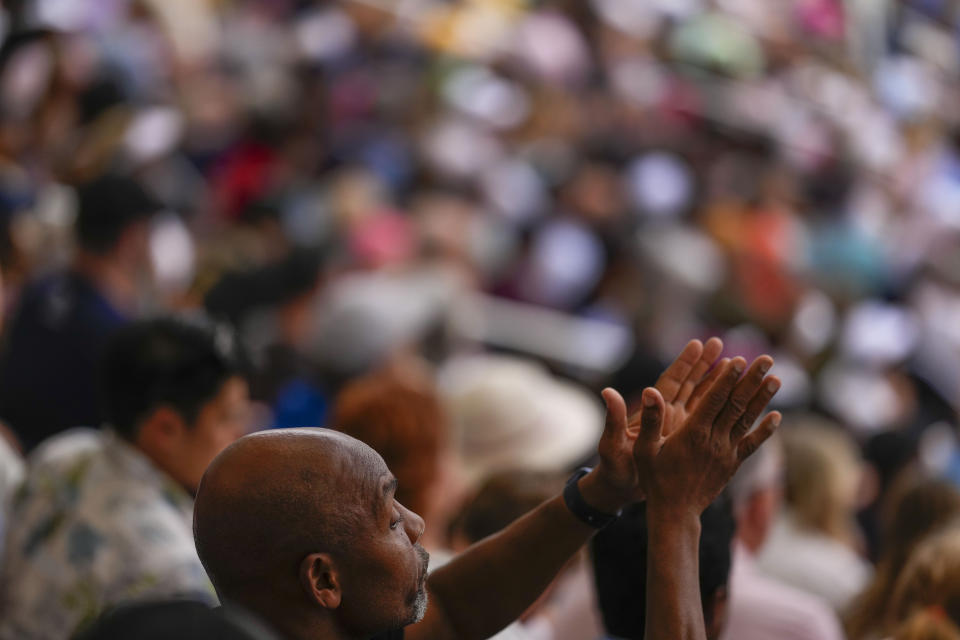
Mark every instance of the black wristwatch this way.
pixel 579 507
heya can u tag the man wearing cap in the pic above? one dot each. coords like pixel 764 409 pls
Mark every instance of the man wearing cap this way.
pixel 302 529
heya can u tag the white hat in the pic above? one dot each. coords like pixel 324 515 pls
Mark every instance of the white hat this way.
pixel 509 413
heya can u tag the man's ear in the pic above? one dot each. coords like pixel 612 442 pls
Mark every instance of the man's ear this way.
pixel 160 431
pixel 320 580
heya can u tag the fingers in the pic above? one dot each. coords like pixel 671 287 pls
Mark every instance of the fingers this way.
pixel 752 442
pixel 651 416
pixel 711 351
pixel 742 395
pixel 704 384
pixel 716 395
pixel 757 404
pixel 672 379
pixel 615 424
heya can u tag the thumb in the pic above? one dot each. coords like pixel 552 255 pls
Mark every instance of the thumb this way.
pixel 615 425
pixel 651 415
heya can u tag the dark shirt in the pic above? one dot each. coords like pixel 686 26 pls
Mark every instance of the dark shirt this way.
pixel 184 620
pixel 50 357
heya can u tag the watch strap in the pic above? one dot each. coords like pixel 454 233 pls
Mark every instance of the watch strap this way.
pixel 579 507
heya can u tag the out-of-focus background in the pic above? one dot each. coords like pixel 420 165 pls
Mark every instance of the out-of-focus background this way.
pixel 587 183
pixel 573 188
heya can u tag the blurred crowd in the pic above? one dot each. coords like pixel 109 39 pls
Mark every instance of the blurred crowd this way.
pixel 442 227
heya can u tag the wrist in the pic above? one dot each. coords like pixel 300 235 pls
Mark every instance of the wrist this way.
pixel 672 514
pixel 599 494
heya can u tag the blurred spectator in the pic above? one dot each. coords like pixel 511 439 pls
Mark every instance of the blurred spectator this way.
pixel 889 458
pixel 815 544
pixel 567 610
pixel 398 413
pixel 926 599
pixel 270 306
pixel 916 510
pixel 185 620
pixel 620 564
pixel 501 498
pixel 760 606
pixel 112 510
pixel 53 344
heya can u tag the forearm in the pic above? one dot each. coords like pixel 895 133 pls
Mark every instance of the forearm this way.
pixel 674 609
pixel 493 582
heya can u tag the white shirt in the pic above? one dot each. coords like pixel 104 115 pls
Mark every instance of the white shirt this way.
pixel 760 608
pixel 814 563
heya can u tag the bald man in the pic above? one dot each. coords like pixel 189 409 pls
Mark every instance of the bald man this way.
pixel 300 527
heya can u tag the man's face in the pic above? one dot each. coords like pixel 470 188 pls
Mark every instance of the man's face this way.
pixel 221 421
pixel 385 577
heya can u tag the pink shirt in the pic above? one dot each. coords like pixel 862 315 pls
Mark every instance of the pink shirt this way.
pixel 760 608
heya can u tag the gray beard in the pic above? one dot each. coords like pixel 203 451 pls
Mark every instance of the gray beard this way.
pixel 420 605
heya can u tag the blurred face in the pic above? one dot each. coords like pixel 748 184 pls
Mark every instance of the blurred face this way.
pixel 225 418
pixel 384 579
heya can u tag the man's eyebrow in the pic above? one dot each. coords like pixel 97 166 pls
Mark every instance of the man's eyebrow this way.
pixel 387 489
pixel 390 487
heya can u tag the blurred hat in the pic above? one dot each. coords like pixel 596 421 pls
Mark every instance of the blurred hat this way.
pixel 509 413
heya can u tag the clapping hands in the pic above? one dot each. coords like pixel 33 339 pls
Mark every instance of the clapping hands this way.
pixel 691 435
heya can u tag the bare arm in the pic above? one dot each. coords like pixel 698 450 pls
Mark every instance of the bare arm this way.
pixel 673 604
pixel 683 473
pixel 491 584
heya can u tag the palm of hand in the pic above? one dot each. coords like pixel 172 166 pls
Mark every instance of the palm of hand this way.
pixel 689 468
pixel 681 387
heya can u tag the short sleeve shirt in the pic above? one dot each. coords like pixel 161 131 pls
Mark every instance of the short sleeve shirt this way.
pixel 95 525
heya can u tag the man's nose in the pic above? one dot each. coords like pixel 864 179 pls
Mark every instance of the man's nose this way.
pixel 415 526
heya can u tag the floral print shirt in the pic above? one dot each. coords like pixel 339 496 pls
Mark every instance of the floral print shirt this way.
pixel 94 524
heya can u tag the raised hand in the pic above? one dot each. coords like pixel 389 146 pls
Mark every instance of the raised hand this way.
pixel 688 468
pixel 684 382
pixel 617 481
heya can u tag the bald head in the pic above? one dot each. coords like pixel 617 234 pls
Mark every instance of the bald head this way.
pixel 273 497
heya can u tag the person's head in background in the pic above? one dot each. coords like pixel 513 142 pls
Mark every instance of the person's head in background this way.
pixel 888 457
pixel 175 389
pixel 823 480
pixel 181 619
pixel 400 416
pixel 917 509
pixel 112 237
pixel 926 599
pixel 620 565
pixel 756 493
pixel 502 498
